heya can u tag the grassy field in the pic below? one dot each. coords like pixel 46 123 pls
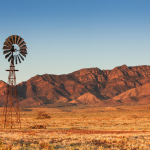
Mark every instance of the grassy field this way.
pixel 122 127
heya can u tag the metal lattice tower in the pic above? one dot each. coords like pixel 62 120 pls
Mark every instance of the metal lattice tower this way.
pixel 11 113
pixel 14 48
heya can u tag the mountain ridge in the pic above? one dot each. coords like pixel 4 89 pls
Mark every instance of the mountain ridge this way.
pixel 104 85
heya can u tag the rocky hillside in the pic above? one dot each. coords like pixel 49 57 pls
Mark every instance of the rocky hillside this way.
pixel 76 88
pixel 138 95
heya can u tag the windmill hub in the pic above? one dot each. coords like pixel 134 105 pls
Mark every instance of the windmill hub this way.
pixel 16 49
pixel 12 49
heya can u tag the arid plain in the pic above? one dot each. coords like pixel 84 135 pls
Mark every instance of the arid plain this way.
pixel 87 109
pixel 80 127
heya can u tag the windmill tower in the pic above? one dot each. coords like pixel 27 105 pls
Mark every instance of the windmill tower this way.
pixel 15 51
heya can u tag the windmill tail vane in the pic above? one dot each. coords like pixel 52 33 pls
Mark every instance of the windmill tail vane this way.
pixel 15 50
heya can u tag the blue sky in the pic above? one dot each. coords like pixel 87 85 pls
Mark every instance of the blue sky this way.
pixel 63 36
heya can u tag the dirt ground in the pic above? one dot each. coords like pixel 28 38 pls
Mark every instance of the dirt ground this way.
pixel 67 128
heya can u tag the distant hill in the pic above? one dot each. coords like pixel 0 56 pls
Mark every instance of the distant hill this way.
pixel 86 86
pixel 138 95
pixel 86 99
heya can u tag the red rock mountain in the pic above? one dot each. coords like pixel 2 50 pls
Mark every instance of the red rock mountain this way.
pixel 85 86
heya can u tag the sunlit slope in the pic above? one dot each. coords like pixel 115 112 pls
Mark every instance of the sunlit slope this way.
pixel 87 99
pixel 140 95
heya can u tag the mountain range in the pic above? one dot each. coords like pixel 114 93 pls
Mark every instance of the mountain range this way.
pixel 122 85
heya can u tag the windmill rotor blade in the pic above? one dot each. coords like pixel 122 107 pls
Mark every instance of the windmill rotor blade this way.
pixel 8 40
pixel 16 59
pixel 21 40
pixel 23 47
pixel 9 58
pixel 23 54
pixel 7 55
pixel 18 38
pixel 24 51
pixel 21 57
pixel 7 44
pixel 6 47
pixel 22 44
pixel 7 51
pixel 11 38
pixel 15 36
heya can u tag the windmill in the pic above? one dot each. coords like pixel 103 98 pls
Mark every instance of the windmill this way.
pixel 15 50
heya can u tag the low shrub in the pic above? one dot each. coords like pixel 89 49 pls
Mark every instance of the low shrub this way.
pixel 38 127
pixel 43 115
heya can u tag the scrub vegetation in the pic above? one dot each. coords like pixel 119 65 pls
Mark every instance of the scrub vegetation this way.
pixel 67 128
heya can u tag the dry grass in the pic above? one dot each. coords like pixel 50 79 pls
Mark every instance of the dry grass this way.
pixel 123 127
